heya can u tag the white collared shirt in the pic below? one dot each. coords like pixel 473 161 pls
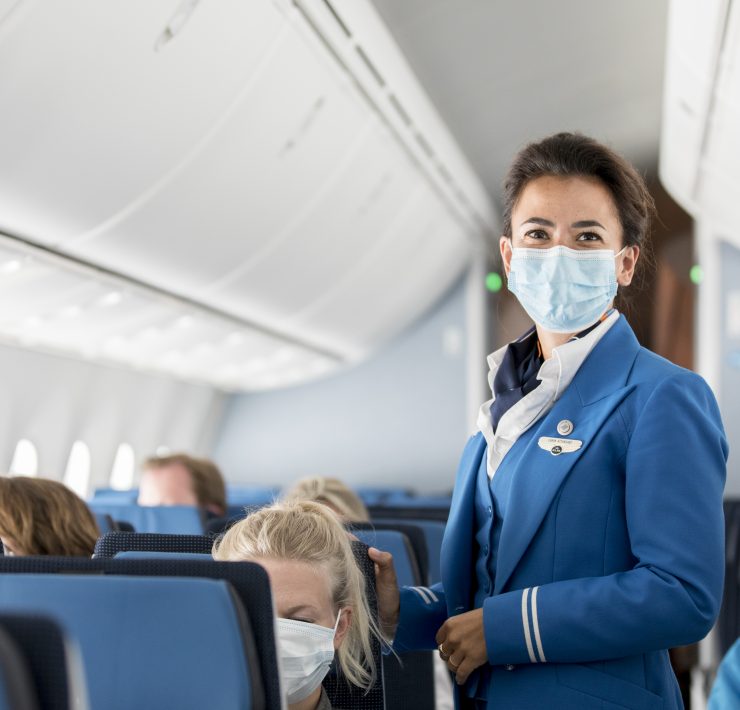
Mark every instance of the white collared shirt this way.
pixel 555 375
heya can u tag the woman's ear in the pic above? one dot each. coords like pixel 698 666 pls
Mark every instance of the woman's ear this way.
pixel 345 621
pixel 506 251
pixel 626 269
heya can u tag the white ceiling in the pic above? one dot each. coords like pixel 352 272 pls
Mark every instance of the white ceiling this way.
pixel 504 73
pixel 235 159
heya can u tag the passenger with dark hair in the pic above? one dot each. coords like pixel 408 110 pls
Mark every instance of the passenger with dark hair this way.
pixel 43 517
pixel 585 535
pixel 180 479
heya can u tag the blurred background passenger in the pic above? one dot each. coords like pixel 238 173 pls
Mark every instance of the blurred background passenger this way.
pixel 319 594
pixel 726 689
pixel 331 492
pixel 43 517
pixel 181 479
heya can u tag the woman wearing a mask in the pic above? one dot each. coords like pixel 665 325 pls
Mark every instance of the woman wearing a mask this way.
pixel 318 592
pixel 586 531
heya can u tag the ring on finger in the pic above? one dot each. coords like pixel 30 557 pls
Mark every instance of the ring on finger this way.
pixel 444 656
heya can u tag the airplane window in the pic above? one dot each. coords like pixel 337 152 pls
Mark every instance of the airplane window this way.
pixel 122 475
pixel 77 473
pixel 25 459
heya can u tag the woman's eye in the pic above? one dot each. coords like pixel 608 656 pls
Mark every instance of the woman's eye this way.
pixel 536 234
pixel 589 237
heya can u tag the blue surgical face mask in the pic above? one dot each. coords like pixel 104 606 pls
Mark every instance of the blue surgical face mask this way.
pixel 563 290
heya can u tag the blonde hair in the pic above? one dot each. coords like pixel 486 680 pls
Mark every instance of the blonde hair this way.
pixel 331 492
pixel 205 476
pixel 44 517
pixel 310 532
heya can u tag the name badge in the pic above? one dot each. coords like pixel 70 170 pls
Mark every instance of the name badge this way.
pixel 559 446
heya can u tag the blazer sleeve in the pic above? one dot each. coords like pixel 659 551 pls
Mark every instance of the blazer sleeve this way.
pixel 423 611
pixel 675 469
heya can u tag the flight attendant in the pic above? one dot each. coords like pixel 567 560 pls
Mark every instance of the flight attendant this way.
pixel 585 535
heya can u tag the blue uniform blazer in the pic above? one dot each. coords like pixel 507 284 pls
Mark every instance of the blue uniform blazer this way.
pixel 614 556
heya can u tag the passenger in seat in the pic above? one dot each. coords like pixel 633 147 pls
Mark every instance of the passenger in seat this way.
pixel 43 517
pixel 333 493
pixel 180 479
pixel 319 595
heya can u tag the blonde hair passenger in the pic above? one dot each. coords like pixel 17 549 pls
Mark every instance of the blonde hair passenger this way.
pixel 39 516
pixel 310 533
pixel 331 492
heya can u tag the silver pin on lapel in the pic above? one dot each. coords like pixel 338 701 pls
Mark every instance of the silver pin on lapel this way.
pixel 565 427
pixel 559 446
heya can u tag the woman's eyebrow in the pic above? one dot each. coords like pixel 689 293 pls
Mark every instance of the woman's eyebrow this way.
pixel 300 607
pixel 538 220
pixel 586 223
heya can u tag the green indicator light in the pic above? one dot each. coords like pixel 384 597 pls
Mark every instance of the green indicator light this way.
pixel 696 274
pixel 494 282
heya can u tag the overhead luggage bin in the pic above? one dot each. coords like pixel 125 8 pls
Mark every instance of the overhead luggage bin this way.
pixel 266 174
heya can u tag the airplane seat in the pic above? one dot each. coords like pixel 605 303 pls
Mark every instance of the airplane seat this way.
pixel 176 519
pixel 52 660
pixel 414 536
pixel 397 543
pixel 105 523
pixel 155 555
pixel 340 693
pixel 16 687
pixel 433 532
pixel 110 544
pixel 408 512
pixel 141 644
pixel 248 580
pixel 251 496
pixel 378 495
pixel 217 526
pixel 413 675
pixel 115 496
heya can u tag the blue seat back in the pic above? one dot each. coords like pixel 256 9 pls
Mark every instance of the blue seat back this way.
pixel 407 568
pixel 250 496
pixel 52 659
pixel 433 531
pixel 105 522
pixel 178 519
pixel 17 690
pixel 153 555
pixel 110 544
pixel 142 644
pixel 249 581
pixel 113 495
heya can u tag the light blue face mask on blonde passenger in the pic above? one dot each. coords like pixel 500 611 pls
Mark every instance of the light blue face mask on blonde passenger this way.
pixel 564 290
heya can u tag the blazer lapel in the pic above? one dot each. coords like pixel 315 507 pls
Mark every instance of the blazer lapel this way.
pixel 594 393
pixel 456 563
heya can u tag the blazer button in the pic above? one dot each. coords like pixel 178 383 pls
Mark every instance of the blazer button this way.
pixel 509 666
pixel 565 427
pixel 490 510
pixel 485 549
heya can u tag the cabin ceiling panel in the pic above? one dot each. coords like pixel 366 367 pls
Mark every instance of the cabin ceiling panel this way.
pixel 504 73
pixel 403 273
pixel 367 188
pixel 95 116
pixel 284 148
pixel 237 164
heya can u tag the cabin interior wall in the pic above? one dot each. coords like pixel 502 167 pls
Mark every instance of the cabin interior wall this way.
pixel 398 419
pixel 54 401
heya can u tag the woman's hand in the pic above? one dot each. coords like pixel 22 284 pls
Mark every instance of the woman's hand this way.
pixel 462 644
pixel 389 600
